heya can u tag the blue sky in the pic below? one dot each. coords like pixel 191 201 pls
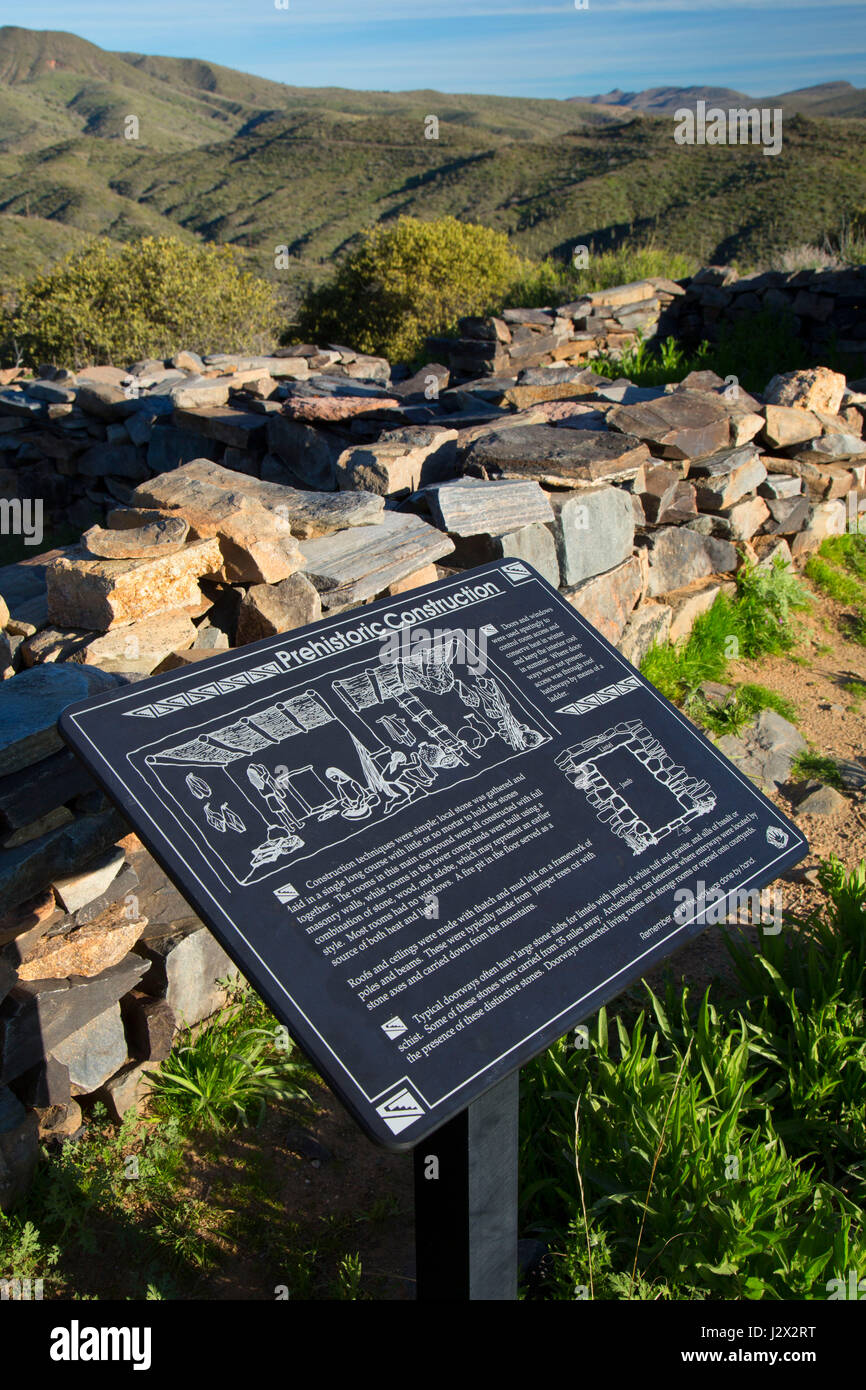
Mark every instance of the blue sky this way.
pixel 548 48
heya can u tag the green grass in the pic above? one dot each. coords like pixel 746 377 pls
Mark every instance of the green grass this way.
pixel 704 1150
pixel 752 350
pixel 815 766
pixel 743 706
pixel 186 1201
pixel 757 621
pixel 839 571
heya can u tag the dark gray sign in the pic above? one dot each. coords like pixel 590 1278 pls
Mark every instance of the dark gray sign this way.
pixel 435 832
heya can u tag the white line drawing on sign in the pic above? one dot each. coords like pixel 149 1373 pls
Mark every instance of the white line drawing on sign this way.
pixel 213 893
pixel 689 797
pixel 601 697
pixel 397 731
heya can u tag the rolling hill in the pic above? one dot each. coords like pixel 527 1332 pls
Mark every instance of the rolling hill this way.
pixel 226 156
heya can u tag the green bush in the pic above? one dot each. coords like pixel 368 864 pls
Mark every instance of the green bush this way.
pixel 410 280
pixel 149 299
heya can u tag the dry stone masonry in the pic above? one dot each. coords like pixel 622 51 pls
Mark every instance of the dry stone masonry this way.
pixel 228 499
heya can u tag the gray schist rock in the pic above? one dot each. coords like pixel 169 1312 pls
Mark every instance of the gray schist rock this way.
pixel 169 447
pixel 822 801
pixel 19 1149
pixel 778 486
pixel 39 1014
pixel 95 1052
pixel 648 626
pixel 184 969
pixel 678 556
pixel 241 429
pixel 765 751
pixel 150 1025
pixel 126 1089
pixel 35 790
pixel 788 515
pixel 355 565
pixel 45 1084
pixel 475 508
pixel 682 424
pixel 659 490
pixel 30 705
pixel 723 478
pixel 91 881
pixel 120 460
pixel 553 455
pixel 61 815
pixel 194 489
pixel 743 520
pixel 831 448
pixel 26 870
pixel 594 531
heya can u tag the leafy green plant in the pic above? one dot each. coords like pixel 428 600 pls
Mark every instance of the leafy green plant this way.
pixel 692 1152
pixel 766 602
pixel 411 279
pixel 227 1076
pixel 146 299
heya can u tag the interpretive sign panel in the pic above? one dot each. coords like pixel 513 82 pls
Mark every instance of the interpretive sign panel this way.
pixel 434 832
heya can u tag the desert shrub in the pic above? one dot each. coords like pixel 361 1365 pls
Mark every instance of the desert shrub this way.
pixel 150 298
pixel 409 280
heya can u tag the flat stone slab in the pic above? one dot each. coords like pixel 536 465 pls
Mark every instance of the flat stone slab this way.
pixel 41 787
pixel 331 409
pixel 140 646
pixel 548 454
pixel 241 429
pixel 158 537
pixel 30 705
pixel 470 508
pixel 192 490
pixel 86 951
pixel 356 565
pixel 683 424
pixel 95 1052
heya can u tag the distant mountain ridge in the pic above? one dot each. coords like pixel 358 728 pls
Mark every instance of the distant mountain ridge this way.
pixel 225 156
pixel 824 99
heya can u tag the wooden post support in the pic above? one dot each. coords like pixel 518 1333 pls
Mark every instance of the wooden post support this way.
pixel 466 1202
